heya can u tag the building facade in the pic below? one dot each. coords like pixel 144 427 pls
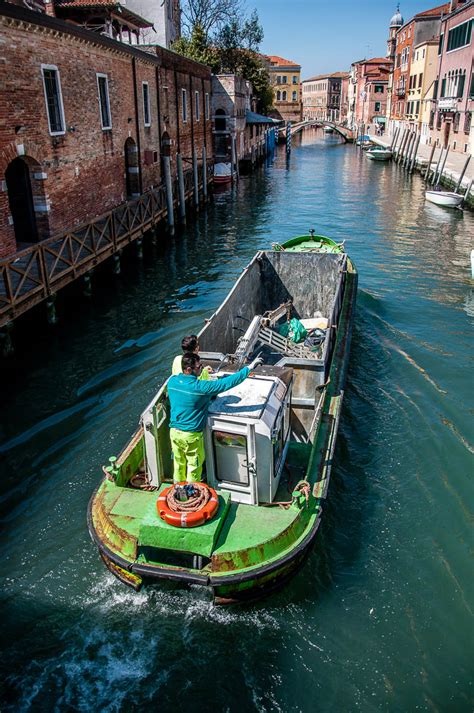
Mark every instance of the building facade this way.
pixel 368 94
pixel 322 96
pixel 285 78
pixel 71 151
pixel 452 125
pixel 423 27
pixel 421 88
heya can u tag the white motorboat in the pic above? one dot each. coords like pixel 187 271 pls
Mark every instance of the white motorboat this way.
pixel 445 198
pixel 379 153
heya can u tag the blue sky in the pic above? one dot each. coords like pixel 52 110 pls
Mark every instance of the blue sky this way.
pixel 327 35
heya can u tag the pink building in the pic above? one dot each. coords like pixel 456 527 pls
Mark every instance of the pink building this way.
pixel 368 103
pixel 451 122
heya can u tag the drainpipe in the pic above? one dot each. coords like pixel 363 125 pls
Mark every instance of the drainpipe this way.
pixel 137 123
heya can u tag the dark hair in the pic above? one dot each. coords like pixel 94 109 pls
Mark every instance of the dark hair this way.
pixel 189 360
pixel 190 343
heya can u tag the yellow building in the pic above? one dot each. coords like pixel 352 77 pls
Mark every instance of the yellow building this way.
pixel 285 77
pixel 421 85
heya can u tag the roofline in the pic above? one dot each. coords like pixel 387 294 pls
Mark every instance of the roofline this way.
pixel 118 7
pixel 21 14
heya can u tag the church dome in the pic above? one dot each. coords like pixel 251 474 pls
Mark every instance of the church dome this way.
pixel 397 19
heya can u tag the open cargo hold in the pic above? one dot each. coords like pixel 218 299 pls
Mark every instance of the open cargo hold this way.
pixel 268 441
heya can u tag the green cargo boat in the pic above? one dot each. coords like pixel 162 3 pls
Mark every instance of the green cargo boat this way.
pixel 269 441
pixel 310 243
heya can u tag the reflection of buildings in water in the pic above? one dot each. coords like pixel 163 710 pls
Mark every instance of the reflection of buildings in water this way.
pixel 469 303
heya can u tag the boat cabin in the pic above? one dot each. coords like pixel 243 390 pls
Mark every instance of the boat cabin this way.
pixel 250 426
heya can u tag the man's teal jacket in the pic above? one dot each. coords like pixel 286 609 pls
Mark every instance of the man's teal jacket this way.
pixel 189 398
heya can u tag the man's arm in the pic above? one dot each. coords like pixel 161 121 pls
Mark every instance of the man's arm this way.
pixel 217 386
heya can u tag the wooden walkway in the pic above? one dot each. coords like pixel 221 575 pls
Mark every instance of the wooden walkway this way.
pixel 32 275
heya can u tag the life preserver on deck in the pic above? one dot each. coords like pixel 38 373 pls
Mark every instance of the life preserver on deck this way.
pixel 192 518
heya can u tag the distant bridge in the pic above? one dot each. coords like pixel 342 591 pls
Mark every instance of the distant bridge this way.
pixel 347 134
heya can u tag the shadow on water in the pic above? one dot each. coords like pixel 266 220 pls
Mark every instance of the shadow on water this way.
pixel 378 616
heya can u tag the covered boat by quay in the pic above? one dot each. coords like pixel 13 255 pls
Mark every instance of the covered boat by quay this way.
pixel 269 441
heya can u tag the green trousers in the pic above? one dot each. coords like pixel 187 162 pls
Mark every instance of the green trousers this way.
pixel 188 453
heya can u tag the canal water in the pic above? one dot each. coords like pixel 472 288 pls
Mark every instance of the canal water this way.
pixel 381 616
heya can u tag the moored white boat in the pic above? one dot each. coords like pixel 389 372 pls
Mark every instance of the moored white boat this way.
pixel 379 153
pixel 444 198
pixel 222 173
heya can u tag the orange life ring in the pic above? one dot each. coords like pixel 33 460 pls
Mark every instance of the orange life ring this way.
pixel 187 519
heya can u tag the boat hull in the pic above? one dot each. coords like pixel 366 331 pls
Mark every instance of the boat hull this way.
pixel 236 577
pixel 379 155
pixel 448 200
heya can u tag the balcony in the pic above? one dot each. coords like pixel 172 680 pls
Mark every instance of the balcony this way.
pixel 400 91
pixel 448 103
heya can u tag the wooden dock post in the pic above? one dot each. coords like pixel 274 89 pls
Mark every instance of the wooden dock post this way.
pixel 139 248
pixel 428 168
pixel 458 186
pixel 442 166
pixel 413 161
pixel 116 263
pixel 195 180
pixel 409 149
pixel 181 192
pixel 402 145
pixel 6 343
pixel 468 190
pixel 204 173
pixel 87 285
pixel 169 193
pixel 394 139
pixel 433 178
pixel 51 315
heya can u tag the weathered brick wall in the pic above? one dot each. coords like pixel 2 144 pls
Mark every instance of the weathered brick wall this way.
pixel 82 174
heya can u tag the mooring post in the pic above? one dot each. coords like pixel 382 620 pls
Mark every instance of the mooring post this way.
pixel 428 168
pixel 87 285
pixel 204 173
pixel 413 161
pixel 458 186
pixel 233 158
pixel 402 145
pixel 394 139
pixel 139 248
pixel 410 151
pixel 153 235
pixel 169 193
pixel 195 180
pixel 288 137
pixel 442 166
pixel 181 192
pixel 116 263
pixel 466 196
pixel 6 343
pixel 406 160
pixel 51 315
pixel 433 178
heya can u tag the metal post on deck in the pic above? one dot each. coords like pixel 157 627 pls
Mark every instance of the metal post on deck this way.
pixel 204 173
pixel 428 167
pixel 195 180
pixel 181 192
pixel 458 186
pixel 169 193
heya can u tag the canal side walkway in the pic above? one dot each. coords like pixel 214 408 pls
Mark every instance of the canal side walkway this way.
pixel 452 170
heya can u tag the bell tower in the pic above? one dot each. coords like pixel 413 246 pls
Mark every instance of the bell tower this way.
pixel 395 23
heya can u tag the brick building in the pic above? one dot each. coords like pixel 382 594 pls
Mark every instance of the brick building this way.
pixel 85 121
pixel 423 27
pixel 368 92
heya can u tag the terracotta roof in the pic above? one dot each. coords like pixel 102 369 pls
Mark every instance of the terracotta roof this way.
pixel 333 75
pixel 105 5
pixel 440 10
pixel 281 61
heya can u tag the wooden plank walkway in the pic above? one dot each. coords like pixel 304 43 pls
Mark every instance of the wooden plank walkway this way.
pixel 32 275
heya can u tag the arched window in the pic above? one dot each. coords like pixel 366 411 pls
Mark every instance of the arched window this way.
pixel 294 96
pixel 278 95
pixel 283 96
pixel 220 121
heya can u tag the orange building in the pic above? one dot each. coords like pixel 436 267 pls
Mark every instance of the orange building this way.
pixel 421 28
pixel 285 78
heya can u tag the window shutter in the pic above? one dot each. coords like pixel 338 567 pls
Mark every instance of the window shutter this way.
pixel 443 87
pixel 462 79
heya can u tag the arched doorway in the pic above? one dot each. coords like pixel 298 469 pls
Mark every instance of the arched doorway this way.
pixel 20 198
pixel 132 172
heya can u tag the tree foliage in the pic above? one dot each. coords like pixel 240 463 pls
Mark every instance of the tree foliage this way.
pixel 228 42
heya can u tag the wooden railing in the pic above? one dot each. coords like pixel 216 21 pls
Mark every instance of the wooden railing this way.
pixel 33 274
